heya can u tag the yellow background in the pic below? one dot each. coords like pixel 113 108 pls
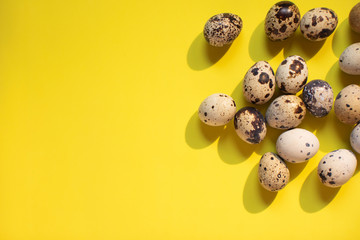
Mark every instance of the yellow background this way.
pixel 99 136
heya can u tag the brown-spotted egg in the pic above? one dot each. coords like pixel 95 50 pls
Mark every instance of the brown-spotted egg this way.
pixel 217 110
pixel 222 29
pixel 292 74
pixel 285 112
pixel 273 173
pixel 282 20
pixel 355 138
pixel 318 97
pixel 349 60
pixel 347 104
pixel 337 167
pixel 250 125
pixel 258 83
pixel 354 18
pixel 318 24
pixel 297 145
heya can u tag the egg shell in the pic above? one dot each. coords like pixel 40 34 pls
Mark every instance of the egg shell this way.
pixel 355 138
pixel 349 60
pixel 273 173
pixel 222 29
pixel 282 20
pixel 318 24
pixel 318 97
pixel 217 110
pixel 337 167
pixel 250 125
pixel 347 104
pixel 292 74
pixel 297 145
pixel 285 112
pixel 258 83
pixel 354 18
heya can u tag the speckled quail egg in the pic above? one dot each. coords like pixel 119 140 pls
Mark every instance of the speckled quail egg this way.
pixel 258 83
pixel 349 60
pixel 250 125
pixel 297 145
pixel 318 24
pixel 292 74
pixel 285 112
pixel 282 20
pixel 216 110
pixel 354 18
pixel 318 97
pixel 273 173
pixel 337 167
pixel 347 104
pixel 222 29
pixel 355 138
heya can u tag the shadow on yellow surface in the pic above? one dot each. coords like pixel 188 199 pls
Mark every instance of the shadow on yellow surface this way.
pixel 255 198
pixel 298 45
pixel 261 48
pixel 314 196
pixel 295 169
pixel 312 123
pixel 343 37
pixel 233 150
pixel 336 76
pixel 202 55
pixel 199 135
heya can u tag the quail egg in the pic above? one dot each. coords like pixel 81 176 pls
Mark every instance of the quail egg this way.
pixel 258 83
pixel 222 29
pixel 250 125
pixel 355 138
pixel 273 173
pixel 349 60
pixel 337 167
pixel 318 97
pixel 282 20
pixel 285 112
pixel 347 104
pixel 354 18
pixel 318 24
pixel 217 110
pixel 292 74
pixel 297 145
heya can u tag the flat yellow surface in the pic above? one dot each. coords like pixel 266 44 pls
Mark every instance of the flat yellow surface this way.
pixel 99 136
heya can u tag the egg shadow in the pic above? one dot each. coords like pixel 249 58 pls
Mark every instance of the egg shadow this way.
pixel 314 196
pixel 344 36
pixel 255 198
pixel 199 135
pixel 335 75
pixel 295 169
pixel 312 123
pixel 233 150
pixel 334 134
pixel 202 55
pixel 299 45
pixel 357 170
pixel 261 47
